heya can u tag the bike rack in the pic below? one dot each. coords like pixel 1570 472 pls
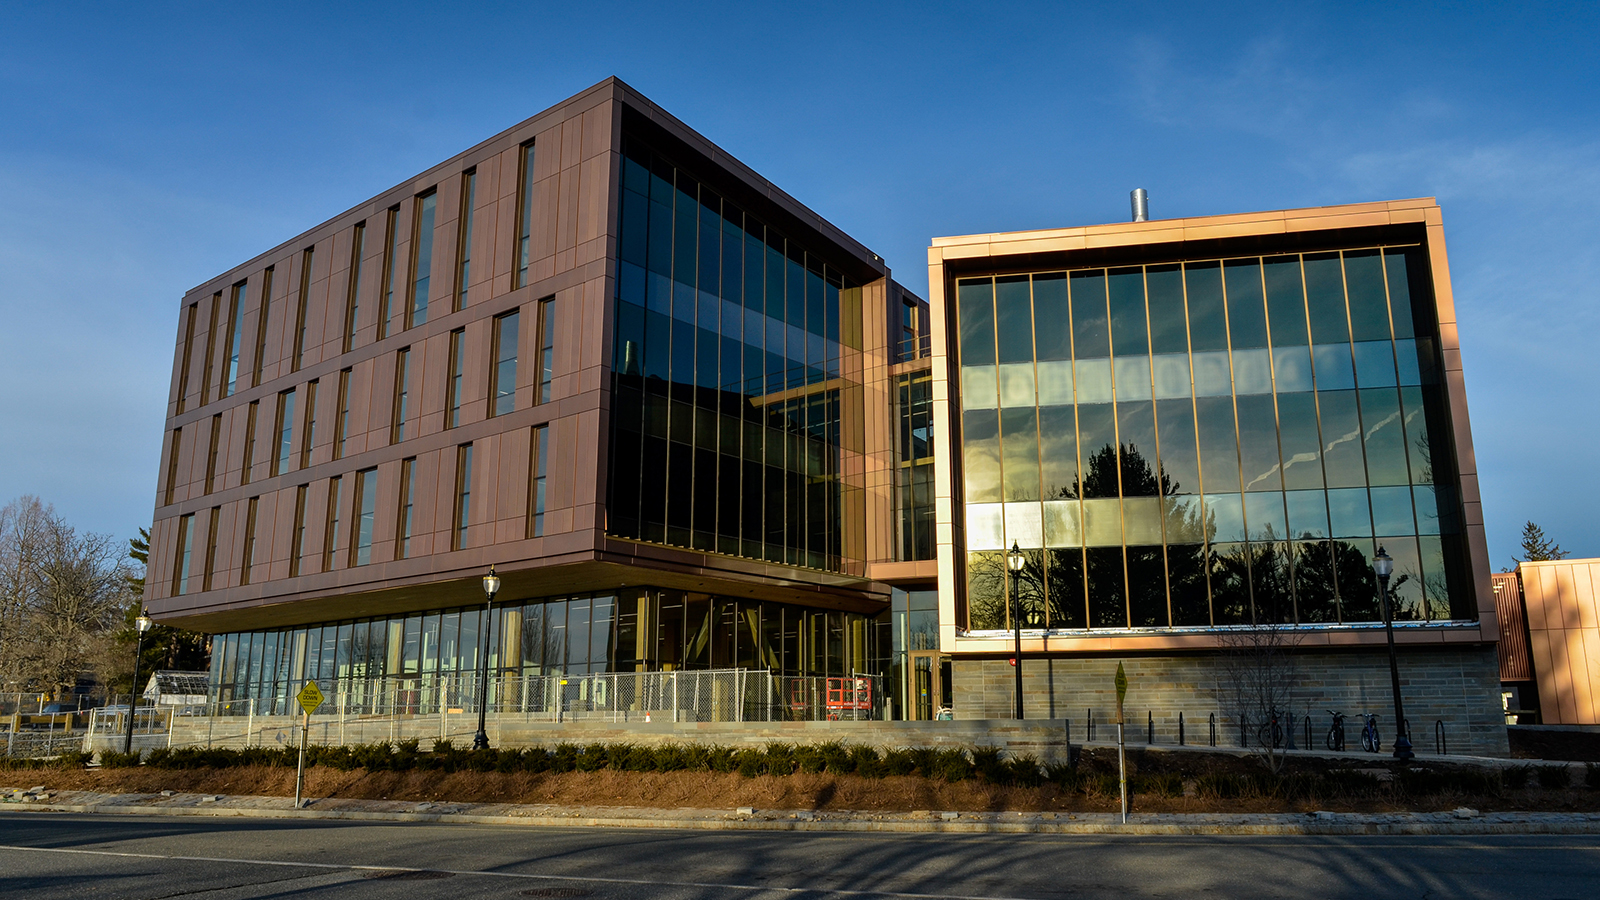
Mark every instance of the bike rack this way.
pixel 1150 727
pixel 1180 728
pixel 1408 729
pixel 1306 722
pixel 1244 730
pixel 1288 733
pixel 1213 729
pixel 1439 745
pixel 1088 715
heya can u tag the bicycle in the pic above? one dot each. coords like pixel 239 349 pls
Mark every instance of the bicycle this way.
pixel 1370 739
pixel 1335 739
pixel 1271 733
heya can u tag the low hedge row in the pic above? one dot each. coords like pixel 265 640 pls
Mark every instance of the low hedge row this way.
pixel 987 764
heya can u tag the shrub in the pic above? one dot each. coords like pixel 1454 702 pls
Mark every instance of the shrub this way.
pixel 564 758
pixel 593 758
pixel 72 759
pixel 720 759
pixel 951 765
pixel 1219 786
pixel 111 759
pixel 1064 776
pixel 899 762
pixel 1167 784
pixel 809 758
pixel 749 763
pixel 866 762
pixel 638 759
pixel 670 758
pixel 1516 777
pixel 1350 783
pixel 1023 771
pixel 1591 775
pixel 779 759
pixel 836 758
pixel 986 762
pixel 1554 778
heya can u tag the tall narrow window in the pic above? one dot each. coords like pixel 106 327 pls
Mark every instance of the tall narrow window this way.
pixel 180 572
pixel 261 328
pixel 235 338
pixel 524 213
pixel 306 259
pixel 402 395
pixel 172 466
pixel 352 307
pixel 469 186
pixel 341 420
pixel 547 347
pixel 189 316
pixel 297 537
pixel 391 271
pixel 330 537
pixel 249 441
pixel 458 538
pixel 366 501
pixel 402 534
pixel 308 435
pixel 211 347
pixel 248 561
pixel 539 451
pixel 283 428
pixel 503 367
pixel 211 457
pixel 422 251
pixel 211 548
pixel 452 389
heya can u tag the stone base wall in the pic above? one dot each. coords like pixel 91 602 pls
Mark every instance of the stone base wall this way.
pixel 1459 686
pixel 1042 738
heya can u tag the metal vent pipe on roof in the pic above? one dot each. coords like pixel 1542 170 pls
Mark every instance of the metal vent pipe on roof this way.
pixel 1141 205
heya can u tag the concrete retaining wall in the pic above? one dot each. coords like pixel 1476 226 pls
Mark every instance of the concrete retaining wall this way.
pixel 1459 686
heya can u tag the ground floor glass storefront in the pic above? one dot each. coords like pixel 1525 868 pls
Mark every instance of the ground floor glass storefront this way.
pixel 639 630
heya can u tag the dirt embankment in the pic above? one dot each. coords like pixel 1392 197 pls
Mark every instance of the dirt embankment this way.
pixel 706 790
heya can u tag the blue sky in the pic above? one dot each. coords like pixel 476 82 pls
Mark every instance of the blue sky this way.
pixel 148 147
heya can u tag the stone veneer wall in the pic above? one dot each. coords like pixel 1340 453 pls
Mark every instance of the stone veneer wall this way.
pixel 1460 686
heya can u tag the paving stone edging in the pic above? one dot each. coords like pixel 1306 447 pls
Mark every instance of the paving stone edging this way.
pixel 921 822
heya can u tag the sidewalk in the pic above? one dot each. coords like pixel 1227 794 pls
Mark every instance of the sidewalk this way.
pixel 1459 822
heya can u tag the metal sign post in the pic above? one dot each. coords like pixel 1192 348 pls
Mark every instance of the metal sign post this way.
pixel 1122 755
pixel 310 697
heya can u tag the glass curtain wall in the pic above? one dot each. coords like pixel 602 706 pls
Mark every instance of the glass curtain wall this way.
pixel 728 405
pixel 637 630
pixel 1215 442
pixel 914 395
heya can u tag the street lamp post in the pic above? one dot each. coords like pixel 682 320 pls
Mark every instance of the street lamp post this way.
pixel 1383 567
pixel 1014 563
pixel 142 625
pixel 491 586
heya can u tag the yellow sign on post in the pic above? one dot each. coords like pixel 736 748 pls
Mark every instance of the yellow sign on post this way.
pixel 310 697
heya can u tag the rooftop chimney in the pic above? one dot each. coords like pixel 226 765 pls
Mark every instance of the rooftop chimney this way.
pixel 1141 205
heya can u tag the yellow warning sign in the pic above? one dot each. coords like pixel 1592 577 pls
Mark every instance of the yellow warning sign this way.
pixel 310 697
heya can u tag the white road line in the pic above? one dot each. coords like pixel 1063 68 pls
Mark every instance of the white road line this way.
pixel 582 878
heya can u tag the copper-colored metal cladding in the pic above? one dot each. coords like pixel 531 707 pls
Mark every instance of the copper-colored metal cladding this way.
pixel 1562 599
pixel 1515 664
pixel 1412 222
pixel 571 259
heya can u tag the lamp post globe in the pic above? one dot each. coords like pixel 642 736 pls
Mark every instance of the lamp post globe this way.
pixel 1383 567
pixel 141 625
pixel 491 586
pixel 1014 563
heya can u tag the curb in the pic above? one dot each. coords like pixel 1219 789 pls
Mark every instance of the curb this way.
pixel 981 823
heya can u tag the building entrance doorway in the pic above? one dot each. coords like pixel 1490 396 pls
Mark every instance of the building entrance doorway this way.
pixel 930 685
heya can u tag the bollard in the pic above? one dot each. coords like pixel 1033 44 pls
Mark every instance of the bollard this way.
pixel 1180 728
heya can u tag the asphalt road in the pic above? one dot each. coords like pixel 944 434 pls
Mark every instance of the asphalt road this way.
pixel 50 855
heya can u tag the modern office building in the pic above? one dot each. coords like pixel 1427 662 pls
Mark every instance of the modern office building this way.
pixel 1550 643
pixel 693 425
pixel 1195 427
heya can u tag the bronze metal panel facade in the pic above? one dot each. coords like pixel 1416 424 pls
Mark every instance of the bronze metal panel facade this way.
pixel 1513 645
pixel 1564 634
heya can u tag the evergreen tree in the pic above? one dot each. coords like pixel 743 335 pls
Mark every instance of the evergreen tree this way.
pixel 1538 548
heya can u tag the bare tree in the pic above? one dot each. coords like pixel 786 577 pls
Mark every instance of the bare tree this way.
pixel 1260 670
pixel 63 593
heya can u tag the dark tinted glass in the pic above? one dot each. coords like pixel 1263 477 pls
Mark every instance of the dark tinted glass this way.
pixel 1301 446
pixel 1229 569
pixel 1097 437
pixel 1058 452
pixel 1169 331
pixel 1020 447
pixel 1107 602
pixel 1341 439
pixel 1180 463
pixel 1014 319
pixel 1247 314
pixel 1219 450
pixel 1325 299
pixel 1067 609
pixel 1286 308
pixel 980 439
pixel 1051 317
pixel 1385 438
pixel 1369 307
pixel 977 322
pixel 1258 444
pixel 1090 339
pixel 1128 333
pixel 1208 323
pixel 1136 436
pixel 1147 587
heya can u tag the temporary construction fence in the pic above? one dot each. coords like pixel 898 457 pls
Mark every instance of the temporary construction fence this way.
pixel 446 708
